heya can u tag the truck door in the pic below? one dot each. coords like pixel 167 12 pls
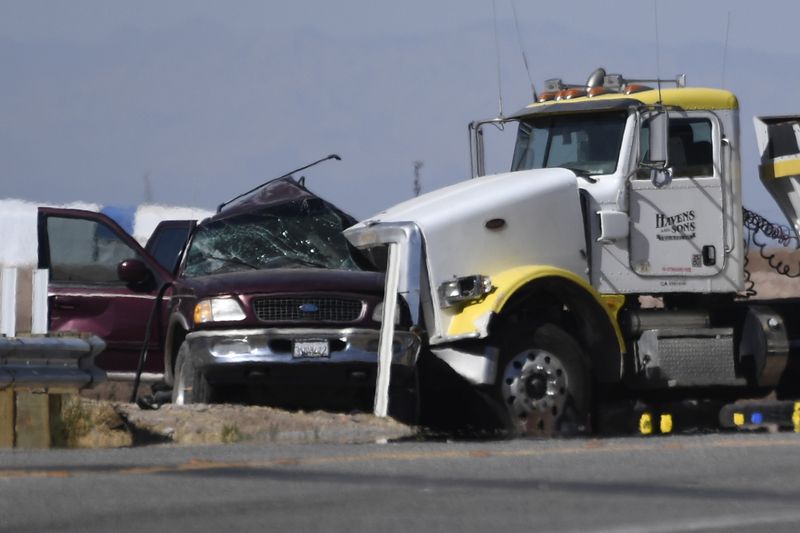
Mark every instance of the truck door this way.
pixel 678 230
pixel 82 250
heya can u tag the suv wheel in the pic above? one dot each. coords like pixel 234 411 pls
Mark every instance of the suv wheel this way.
pixel 190 385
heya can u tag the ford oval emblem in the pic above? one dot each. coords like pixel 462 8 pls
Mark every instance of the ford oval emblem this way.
pixel 309 308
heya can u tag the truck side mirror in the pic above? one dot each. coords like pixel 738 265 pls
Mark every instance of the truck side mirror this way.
pixel 657 154
pixel 659 139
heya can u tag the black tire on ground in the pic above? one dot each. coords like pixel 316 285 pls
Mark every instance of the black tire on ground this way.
pixel 543 384
pixel 190 385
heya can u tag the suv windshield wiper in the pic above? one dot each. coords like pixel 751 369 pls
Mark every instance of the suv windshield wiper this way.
pixel 290 261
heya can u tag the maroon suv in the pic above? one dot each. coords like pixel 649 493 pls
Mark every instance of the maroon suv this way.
pixel 264 299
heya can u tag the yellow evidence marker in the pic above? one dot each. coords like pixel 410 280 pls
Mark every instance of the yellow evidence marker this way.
pixel 646 424
pixel 665 423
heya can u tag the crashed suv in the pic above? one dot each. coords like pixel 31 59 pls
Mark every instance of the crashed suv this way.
pixel 265 300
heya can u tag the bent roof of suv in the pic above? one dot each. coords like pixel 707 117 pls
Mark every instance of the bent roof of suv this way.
pixel 273 193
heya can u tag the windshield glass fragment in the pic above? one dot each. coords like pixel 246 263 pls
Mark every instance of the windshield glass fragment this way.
pixel 298 234
pixel 587 144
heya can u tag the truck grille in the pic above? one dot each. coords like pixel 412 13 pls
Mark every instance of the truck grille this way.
pixel 312 309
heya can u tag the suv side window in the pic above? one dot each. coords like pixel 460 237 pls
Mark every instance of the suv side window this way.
pixel 85 251
pixel 167 245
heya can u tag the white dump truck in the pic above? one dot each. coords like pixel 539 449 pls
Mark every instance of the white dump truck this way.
pixel 529 284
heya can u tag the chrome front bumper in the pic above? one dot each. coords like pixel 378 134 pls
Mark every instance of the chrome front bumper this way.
pixel 274 346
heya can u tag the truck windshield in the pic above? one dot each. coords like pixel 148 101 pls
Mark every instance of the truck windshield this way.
pixel 298 234
pixel 587 144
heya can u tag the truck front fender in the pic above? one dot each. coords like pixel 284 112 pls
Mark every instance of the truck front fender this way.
pixel 596 314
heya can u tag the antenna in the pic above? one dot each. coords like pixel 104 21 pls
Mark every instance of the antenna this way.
pixel 254 189
pixel 658 50
pixel 522 48
pixel 497 50
pixel 725 49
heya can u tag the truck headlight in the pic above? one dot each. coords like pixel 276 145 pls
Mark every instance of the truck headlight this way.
pixel 377 314
pixel 218 310
pixel 466 289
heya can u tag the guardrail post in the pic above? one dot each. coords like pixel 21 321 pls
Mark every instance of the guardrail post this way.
pixel 33 422
pixel 8 302
pixel 7 418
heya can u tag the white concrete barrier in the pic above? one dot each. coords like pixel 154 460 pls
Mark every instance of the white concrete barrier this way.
pixel 9 312
pixel 8 302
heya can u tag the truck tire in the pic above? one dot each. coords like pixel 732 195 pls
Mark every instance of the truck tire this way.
pixel 189 384
pixel 404 401
pixel 543 384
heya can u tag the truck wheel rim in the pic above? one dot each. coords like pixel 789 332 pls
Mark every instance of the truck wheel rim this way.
pixel 535 384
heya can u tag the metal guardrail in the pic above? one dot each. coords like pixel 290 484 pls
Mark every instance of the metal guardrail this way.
pixel 36 360
pixel 38 371
pixel 50 362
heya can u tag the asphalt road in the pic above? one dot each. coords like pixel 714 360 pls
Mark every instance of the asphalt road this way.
pixel 679 483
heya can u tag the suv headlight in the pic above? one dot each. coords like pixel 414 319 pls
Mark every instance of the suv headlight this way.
pixel 466 289
pixel 218 310
pixel 377 314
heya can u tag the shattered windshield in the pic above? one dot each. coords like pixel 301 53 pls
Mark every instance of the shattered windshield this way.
pixel 587 144
pixel 298 234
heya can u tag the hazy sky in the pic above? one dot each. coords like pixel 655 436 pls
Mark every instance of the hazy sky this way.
pixel 209 98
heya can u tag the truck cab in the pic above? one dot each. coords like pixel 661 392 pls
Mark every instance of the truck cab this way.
pixel 644 235
pixel 529 283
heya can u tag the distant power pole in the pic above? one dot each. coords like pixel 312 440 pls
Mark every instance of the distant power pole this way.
pixel 417 180
pixel 148 189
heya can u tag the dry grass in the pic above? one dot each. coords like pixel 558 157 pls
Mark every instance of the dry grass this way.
pixel 90 424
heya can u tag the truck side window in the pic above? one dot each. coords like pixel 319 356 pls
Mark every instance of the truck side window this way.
pixel 691 153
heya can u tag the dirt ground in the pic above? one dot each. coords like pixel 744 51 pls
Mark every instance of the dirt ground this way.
pixel 102 423
pixel 767 282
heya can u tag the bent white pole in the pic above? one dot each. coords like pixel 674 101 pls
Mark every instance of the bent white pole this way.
pixel 387 332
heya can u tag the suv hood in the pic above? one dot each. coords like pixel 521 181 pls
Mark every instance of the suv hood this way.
pixel 286 280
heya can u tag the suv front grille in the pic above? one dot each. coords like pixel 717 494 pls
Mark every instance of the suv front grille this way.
pixel 311 309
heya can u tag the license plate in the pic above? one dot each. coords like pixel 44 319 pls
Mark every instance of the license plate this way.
pixel 310 349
